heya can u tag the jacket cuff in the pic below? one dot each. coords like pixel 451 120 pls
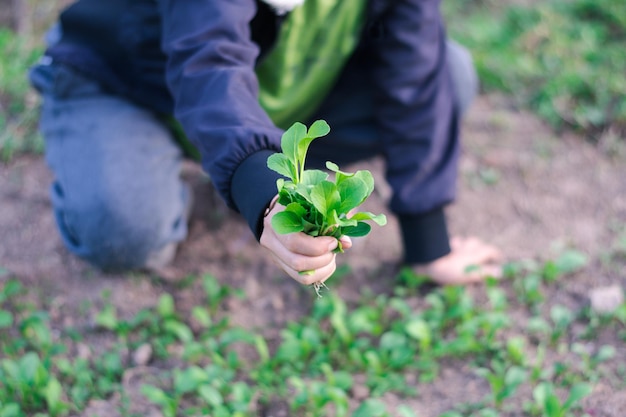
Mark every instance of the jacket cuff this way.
pixel 425 236
pixel 252 188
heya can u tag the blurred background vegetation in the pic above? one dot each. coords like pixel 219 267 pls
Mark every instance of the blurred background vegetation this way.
pixel 22 25
pixel 563 59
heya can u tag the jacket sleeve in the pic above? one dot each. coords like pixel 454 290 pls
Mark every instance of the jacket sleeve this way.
pixel 210 74
pixel 417 115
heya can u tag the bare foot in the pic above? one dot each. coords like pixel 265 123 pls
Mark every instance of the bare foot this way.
pixel 470 261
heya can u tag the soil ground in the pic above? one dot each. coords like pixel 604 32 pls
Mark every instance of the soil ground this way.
pixel 521 187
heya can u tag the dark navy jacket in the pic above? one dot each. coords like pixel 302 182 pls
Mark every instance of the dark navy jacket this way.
pixel 196 59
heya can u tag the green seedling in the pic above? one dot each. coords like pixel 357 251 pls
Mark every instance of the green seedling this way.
pixel 562 318
pixel 568 262
pixel 503 380
pixel 383 343
pixel 589 363
pixel 550 404
pixel 314 204
pixel 315 396
pixel 159 397
pixel 7 291
pixel 28 381
pixel 214 388
pixel 215 292
pixel 371 408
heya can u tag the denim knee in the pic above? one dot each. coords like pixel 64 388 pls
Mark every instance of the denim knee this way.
pixel 464 76
pixel 111 236
pixel 117 194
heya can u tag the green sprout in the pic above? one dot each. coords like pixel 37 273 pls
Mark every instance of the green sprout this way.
pixel 314 204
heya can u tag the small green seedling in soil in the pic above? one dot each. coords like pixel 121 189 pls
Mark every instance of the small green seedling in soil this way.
pixel 503 380
pixel 550 404
pixel 314 204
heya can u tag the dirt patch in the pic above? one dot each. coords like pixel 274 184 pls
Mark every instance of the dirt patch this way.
pixel 521 187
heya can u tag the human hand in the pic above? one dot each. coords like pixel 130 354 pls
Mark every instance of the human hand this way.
pixel 296 253
pixel 470 261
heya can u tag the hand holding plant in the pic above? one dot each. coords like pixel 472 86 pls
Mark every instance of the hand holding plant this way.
pixel 313 204
pixel 297 252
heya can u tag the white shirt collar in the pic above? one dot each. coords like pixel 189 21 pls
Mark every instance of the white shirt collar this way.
pixel 283 6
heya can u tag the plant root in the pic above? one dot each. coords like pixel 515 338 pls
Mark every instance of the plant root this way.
pixel 318 287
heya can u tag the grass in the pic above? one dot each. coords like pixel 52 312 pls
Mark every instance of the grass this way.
pixel 382 344
pixel 563 59
pixel 18 103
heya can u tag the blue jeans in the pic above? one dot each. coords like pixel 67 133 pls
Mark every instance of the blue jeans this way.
pixel 117 193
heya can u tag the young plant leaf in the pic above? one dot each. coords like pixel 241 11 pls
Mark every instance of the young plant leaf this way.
pixel 367 178
pixel 352 192
pixel 577 393
pixel 325 197
pixel 318 129
pixel 290 140
pixel 340 176
pixel 280 163
pixel 303 192
pixel 311 177
pixel 361 229
pixel 297 209
pixel 287 222
pixel 310 228
pixel 379 219
pixel 344 222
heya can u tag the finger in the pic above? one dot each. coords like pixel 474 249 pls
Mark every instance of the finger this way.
pixel 346 242
pixel 318 275
pixel 296 244
pixel 304 244
pixel 322 274
pixel 291 262
pixel 299 262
